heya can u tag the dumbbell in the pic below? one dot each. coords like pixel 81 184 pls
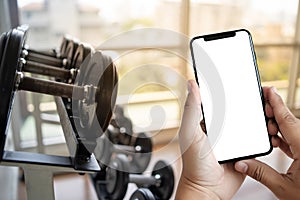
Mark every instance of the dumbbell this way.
pixel 93 93
pixel 142 194
pixel 69 74
pixel 160 183
pixel 66 71
pixel 63 58
pixel 63 65
pixel 59 59
pixel 139 153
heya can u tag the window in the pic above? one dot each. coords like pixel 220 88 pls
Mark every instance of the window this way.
pixel 117 27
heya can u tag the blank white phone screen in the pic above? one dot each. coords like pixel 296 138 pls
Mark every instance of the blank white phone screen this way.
pixel 231 98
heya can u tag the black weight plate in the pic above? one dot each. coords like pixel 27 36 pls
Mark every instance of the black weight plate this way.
pixel 122 127
pixel 84 114
pixel 82 51
pixel 90 117
pixel 145 142
pixel 106 95
pixel 70 52
pixel 140 161
pixel 63 46
pixel 8 69
pixel 3 38
pixel 112 96
pixel 117 177
pixel 142 194
pixel 104 151
pixel 165 190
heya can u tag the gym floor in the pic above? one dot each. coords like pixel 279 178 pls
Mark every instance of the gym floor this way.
pixel 74 186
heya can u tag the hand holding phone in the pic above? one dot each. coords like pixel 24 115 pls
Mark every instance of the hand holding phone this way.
pixel 232 100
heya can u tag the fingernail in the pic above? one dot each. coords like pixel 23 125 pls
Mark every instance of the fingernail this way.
pixel 241 167
pixel 274 90
pixel 189 85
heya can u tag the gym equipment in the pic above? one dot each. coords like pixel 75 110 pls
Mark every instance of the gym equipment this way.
pixel 63 65
pixel 66 69
pixel 160 183
pixel 139 153
pixel 88 90
pixel 84 104
pixel 142 194
pixel 121 131
pixel 62 59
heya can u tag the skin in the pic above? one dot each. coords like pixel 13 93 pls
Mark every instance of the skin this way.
pixel 203 178
pixel 284 128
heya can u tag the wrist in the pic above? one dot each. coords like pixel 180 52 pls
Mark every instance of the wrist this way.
pixel 190 190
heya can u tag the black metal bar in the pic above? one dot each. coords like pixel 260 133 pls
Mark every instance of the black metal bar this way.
pixel 35 158
pixel 36 57
pixel 13 13
pixel 28 158
pixel 51 54
pixel 47 70
pixel 51 88
pixel 142 180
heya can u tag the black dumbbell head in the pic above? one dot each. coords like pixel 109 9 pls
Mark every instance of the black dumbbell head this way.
pixel 142 194
pixel 92 117
pixel 11 46
pixel 165 190
pixel 117 177
pixel 82 51
pixel 3 38
pixel 140 161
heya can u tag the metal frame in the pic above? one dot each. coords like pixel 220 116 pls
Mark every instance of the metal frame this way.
pixel 39 170
pixel 294 68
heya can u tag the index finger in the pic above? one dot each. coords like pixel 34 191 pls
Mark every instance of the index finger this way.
pixel 288 124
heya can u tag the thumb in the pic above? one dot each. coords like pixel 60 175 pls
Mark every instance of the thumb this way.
pixel 190 121
pixel 262 173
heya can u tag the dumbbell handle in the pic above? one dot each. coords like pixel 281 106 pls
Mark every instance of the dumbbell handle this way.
pixel 43 69
pixel 51 88
pixel 52 54
pixel 40 58
pixel 126 149
pixel 139 179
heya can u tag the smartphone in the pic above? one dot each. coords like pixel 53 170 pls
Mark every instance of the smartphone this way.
pixel 231 94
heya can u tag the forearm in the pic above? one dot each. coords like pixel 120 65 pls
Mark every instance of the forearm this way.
pixel 189 190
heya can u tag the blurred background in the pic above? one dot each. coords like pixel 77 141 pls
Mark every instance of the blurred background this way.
pixel 152 91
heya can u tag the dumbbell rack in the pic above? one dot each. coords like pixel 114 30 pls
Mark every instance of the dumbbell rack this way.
pixel 79 132
pixel 38 168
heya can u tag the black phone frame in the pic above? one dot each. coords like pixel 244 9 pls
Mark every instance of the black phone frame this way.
pixel 222 35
